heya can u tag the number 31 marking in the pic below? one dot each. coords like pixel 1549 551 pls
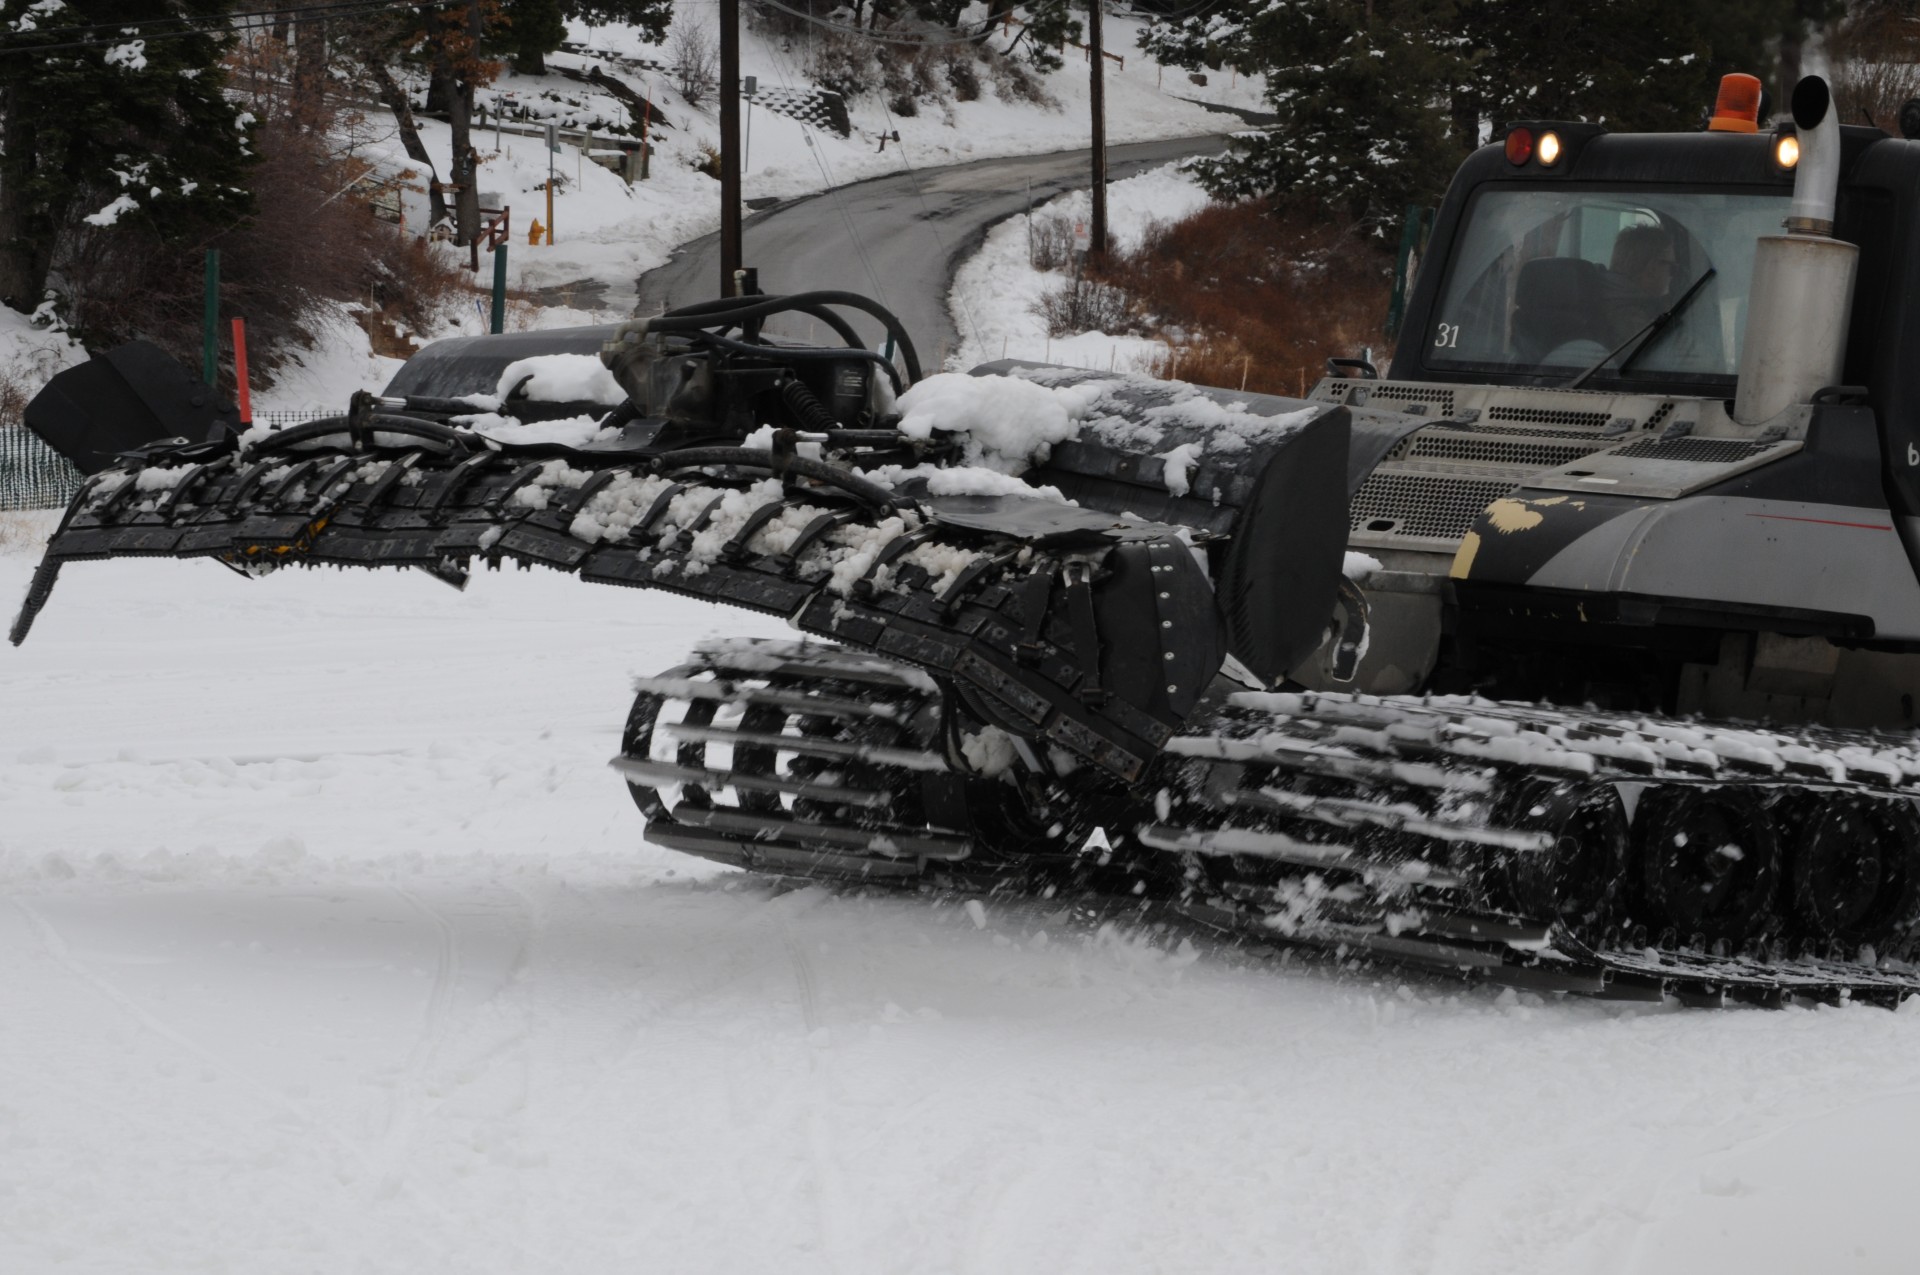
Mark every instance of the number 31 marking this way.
pixel 1448 338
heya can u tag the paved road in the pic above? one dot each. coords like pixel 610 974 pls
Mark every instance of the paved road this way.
pixel 897 239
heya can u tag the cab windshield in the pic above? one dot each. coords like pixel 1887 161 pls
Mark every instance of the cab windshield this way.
pixel 1545 282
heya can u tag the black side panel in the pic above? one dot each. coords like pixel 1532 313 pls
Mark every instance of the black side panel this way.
pixel 464 365
pixel 1160 638
pixel 1277 583
pixel 125 398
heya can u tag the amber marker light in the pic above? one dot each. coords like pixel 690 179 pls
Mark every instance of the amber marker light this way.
pixel 1737 109
pixel 1519 146
pixel 1786 151
pixel 1548 149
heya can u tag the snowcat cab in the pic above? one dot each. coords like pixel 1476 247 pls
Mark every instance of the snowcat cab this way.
pixel 1650 427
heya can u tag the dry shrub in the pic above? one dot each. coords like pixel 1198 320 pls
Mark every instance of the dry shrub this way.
pixel 1014 81
pixel 1050 244
pixel 1246 291
pixel 410 287
pixel 1086 305
pixel 910 75
pixel 963 73
pixel 16 387
pixel 841 63
pixel 693 56
pixel 312 242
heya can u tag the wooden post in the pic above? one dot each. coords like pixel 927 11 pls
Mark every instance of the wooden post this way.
pixel 1097 96
pixel 499 324
pixel 730 247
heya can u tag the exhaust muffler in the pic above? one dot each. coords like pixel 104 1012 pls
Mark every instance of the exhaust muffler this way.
pixel 1802 293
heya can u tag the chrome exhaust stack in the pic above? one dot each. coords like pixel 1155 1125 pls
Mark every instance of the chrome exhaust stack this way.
pixel 1802 295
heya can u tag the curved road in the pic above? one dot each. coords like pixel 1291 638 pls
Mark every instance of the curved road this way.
pixel 897 239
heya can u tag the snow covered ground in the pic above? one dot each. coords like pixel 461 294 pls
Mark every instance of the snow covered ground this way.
pixel 331 945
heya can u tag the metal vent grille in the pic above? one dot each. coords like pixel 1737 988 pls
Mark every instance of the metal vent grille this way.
pixel 1430 506
pixel 1542 431
pixel 1660 415
pixel 1442 400
pixel 1700 451
pixel 1534 453
pixel 1548 416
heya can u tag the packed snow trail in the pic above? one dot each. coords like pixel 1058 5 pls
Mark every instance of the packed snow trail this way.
pixel 332 945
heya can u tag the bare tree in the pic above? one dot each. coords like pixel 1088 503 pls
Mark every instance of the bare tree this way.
pixel 692 55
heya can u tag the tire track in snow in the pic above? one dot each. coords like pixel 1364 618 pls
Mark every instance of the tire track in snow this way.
pixel 828 1184
pixel 410 1110
pixel 406 1098
pixel 705 976
pixel 57 947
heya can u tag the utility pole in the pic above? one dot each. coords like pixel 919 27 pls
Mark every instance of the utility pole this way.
pixel 1097 97
pixel 466 168
pixel 730 251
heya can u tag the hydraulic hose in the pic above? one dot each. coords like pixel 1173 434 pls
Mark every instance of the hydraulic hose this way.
pixel 788 354
pixel 426 431
pixel 864 490
pixel 735 309
pixel 719 314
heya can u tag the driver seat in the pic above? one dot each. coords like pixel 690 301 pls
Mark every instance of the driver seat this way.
pixel 1556 300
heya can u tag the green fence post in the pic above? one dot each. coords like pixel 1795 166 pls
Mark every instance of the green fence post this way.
pixel 500 287
pixel 210 330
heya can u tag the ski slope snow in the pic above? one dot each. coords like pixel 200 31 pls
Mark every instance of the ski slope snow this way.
pixel 331 945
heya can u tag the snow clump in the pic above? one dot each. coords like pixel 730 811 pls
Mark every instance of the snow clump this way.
pixel 111 213
pixel 1178 473
pixel 132 55
pixel 561 378
pixel 1010 424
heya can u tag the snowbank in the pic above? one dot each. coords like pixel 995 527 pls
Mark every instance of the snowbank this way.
pixel 997 292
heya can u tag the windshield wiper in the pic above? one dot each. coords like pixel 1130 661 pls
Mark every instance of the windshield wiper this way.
pixel 1644 337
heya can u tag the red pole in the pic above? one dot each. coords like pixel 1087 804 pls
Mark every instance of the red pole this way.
pixel 240 370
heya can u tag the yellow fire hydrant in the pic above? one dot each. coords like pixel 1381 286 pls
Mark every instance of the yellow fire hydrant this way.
pixel 535 231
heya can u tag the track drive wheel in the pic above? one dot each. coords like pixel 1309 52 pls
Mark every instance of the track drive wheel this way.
pixel 1708 863
pixel 1852 868
pixel 1577 878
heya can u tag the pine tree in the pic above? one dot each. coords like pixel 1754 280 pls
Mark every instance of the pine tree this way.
pixel 1359 86
pixel 124 130
pixel 1633 65
pixel 531 29
pixel 1380 99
